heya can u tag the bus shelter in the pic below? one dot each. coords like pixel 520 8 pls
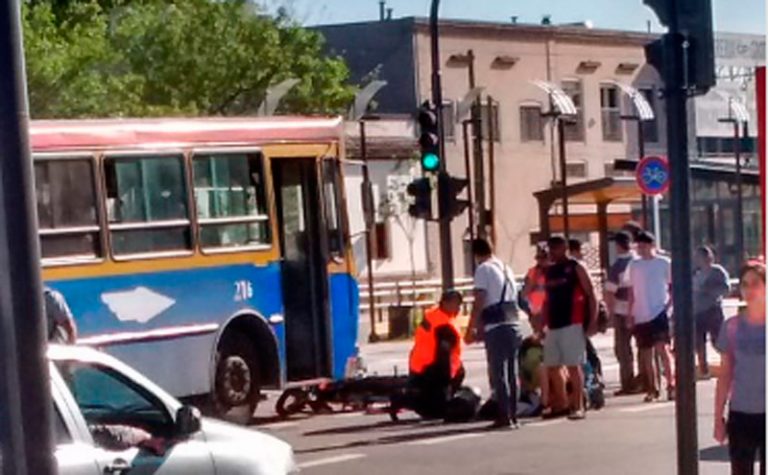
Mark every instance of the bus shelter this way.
pixel 598 195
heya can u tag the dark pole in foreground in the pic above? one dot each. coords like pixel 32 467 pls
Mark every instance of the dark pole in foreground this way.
pixel 676 91
pixel 25 395
pixel 368 210
pixel 446 252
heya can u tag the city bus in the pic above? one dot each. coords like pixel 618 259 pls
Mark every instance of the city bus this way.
pixel 213 255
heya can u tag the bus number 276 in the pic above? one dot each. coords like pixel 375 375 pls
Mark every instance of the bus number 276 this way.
pixel 243 290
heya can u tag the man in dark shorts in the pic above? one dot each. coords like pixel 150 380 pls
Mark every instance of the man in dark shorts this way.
pixel 710 285
pixel 650 280
pixel 570 303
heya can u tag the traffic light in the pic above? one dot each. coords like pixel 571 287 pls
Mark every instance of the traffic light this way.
pixel 421 191
pixel 429 140
pixel 695 24
pixel 450 188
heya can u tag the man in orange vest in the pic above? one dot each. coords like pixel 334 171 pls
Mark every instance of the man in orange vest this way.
pixel 435 361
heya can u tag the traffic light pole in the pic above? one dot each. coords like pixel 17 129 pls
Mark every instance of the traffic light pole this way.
pixel 446 251
pixel 676 91
pixel 25 392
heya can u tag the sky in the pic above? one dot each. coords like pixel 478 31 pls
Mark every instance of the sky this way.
pixel 740 16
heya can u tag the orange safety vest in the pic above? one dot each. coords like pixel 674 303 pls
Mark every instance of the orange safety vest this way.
pixel 424 351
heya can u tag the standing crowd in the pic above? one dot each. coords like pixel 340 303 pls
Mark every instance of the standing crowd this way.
pixel 564 311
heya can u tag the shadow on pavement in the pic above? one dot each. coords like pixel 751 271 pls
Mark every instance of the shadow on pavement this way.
pixel 368 427
pixel 716 453
pixel 397 439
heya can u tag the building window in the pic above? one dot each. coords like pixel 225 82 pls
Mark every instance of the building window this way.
pixel 66 209
pixel 610 111
pixel 531 124
pixel 229 193
pixel 147 204
pixel 574 128
pixel 382 243
pixel 449 120
pixel 651 127
pixel 576 170
pixel 490 118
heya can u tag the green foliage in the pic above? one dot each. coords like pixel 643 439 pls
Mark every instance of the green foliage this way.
pixel 97 58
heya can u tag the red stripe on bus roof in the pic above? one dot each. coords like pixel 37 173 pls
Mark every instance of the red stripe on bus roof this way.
pixel 61 135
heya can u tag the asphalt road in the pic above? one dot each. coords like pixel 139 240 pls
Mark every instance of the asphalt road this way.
pixel 627 436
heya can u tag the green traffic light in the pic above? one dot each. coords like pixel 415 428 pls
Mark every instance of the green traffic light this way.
pixel 430 162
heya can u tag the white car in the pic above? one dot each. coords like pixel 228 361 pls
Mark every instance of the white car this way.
pixel 94 394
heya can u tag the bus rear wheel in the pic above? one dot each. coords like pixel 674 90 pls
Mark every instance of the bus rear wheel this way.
pixel 237 387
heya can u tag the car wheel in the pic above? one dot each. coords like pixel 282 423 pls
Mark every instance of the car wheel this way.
pixel 237 388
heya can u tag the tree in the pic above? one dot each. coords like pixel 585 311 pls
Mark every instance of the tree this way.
pixel 193 57
pixel 394 206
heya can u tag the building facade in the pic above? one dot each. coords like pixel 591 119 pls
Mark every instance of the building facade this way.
pixel 586 63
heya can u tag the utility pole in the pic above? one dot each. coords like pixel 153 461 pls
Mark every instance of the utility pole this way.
pixel 563 175
pixel 25 392
pixel 676 54
pixel 368 211
pixel 446 250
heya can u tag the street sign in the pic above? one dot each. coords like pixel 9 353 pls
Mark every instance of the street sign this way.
pixel 652 175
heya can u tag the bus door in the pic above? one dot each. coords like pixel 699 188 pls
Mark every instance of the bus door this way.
pixel 304 271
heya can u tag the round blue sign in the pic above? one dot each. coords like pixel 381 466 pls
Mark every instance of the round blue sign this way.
pixel 652 175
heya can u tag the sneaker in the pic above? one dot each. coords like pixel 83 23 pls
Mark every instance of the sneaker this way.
pixel 577 415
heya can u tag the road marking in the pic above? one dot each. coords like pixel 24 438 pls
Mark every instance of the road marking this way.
pixel 330 460
pixel 279 425
pixel 544 423
pixel 447 438
pixel 646 407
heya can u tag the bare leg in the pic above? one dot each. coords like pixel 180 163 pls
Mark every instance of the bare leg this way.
pixel 576 377
pixel 666 361
pixel 646 361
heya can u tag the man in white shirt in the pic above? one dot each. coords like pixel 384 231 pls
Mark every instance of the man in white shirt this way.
pixel 495 315
pixel 650 298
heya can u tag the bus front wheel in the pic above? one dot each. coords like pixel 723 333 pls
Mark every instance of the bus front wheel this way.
pixel 237 388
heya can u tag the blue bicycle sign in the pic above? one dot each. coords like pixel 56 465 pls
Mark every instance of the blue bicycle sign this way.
pixel 652 175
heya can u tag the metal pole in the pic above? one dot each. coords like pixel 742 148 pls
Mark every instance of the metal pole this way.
pixel 492 168
pixel 676 59
pixel 368 210
pixel 25 397
pixel 479 159
pixel 468 168
pixel 640 156
pixel 446 256
pixel 739 194
pixel 563 176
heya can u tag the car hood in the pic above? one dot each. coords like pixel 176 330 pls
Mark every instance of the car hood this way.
pixel 240 451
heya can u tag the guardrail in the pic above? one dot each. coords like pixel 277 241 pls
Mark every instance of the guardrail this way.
pixel 424 293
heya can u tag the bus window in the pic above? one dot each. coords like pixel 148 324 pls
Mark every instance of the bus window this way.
pixel 66 209
pixel 332 204
pixel 147 204
pixel 230 198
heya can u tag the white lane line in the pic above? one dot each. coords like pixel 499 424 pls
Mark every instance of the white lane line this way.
pixel 278 425
pixel 646 407
pixel 331 460
pixel 447 438
pixel 544 423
